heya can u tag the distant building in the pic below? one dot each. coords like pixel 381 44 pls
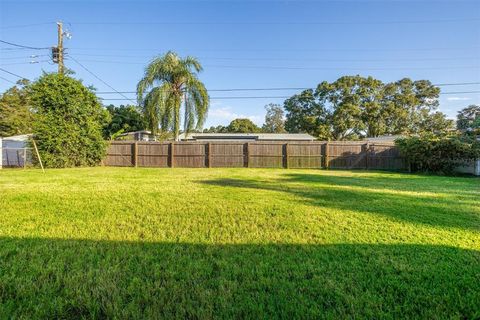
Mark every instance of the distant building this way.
pixel 246 137
pixel 142 135
pixel 385 138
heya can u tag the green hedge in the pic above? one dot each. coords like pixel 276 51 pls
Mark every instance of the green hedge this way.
pixel 437 155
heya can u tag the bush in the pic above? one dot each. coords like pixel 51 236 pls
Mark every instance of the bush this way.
pixel 437 155
pixel 67 122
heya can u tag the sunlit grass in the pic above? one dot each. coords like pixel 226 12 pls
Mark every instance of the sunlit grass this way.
pixel 235 243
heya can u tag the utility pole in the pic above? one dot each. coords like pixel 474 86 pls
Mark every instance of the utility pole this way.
pixel 60 47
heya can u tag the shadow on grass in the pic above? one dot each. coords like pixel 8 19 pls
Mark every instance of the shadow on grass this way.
pixel 373 195
pixel 397 181
pixel 49 278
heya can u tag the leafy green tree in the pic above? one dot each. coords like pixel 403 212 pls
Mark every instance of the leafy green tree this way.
pixel 242 126
pixel 274 119
pixel 173 81
pixel 217 129
pixel 307 114
pixel 67 122
pixel 437 124
pixel 15 110
pixel 123 119
pixel 342 98
pixel 354 106
pixel 467 117
pixel 409 104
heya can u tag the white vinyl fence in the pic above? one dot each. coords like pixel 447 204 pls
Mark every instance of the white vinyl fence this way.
pixel 15 152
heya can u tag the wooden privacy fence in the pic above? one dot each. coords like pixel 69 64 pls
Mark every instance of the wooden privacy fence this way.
pixel 318 154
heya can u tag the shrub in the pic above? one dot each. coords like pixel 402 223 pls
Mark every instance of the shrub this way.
pixel 67 122
pixel 435 155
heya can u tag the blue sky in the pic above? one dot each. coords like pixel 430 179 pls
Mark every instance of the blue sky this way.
pixel 253 44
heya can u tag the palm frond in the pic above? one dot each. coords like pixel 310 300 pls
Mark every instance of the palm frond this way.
pixel 168 79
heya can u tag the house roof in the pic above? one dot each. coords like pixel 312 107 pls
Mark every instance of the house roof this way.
pixel 385 138
pixel 248 136
pixel 22 137
pixel 134 132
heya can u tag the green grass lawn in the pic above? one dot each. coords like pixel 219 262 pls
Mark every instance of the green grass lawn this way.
pixel 237 243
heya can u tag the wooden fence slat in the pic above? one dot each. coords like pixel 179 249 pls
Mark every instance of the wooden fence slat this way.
pixel 277 154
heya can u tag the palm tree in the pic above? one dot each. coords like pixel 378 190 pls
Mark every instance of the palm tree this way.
pixel 171 82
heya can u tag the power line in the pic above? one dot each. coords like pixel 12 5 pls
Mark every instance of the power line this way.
pixel 33 56
pixel 98 78
pixel 285 97
pixel 17 63
pixel 288 88
pixel 304 68
pixel 336 68
pixel 23 46
pixel 460 92
pixel 5 79
pixel 290 49
pixel 294 60
pixel 13 74
pixel 26 25
pixel 367 22
pixel 274 59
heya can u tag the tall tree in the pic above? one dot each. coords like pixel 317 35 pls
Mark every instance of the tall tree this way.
pixel 274 119
pixel 355 106
pixel 170 81
pixel 467 117
pixel 436 124
pixel 307 114
pixel 123 119
pixel 15 110
pixel 68 121
pixel 242 126
pixel 409 104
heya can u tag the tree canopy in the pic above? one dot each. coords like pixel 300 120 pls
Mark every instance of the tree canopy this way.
pixel 274 119
pixel 242 126
pixel 15 110
pixel 170 81
pixel 124 118
pixel 468 118
pixel 68 120
pixel 354 106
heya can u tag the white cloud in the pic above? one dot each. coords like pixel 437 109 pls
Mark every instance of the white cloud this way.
pixel 226 113
pixel 457 98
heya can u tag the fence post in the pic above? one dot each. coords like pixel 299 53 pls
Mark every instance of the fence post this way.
pixel 24 158
pixel 248 155
pixel 172 144
pixel 135 154
pixel 327 154
pixel 367 149
pixel 209 159
pixel 286 156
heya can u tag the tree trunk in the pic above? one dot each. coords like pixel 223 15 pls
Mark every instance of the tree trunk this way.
pixel 176 125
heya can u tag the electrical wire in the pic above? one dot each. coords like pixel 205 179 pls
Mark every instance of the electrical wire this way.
pixel 290 88
pixel 285 97
pixel 23 46
pixel 26 25
pixel 5 79
pixel 276 59
pixel 17 63
pixel 369 22
pixel 98 78
pixel 13 74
